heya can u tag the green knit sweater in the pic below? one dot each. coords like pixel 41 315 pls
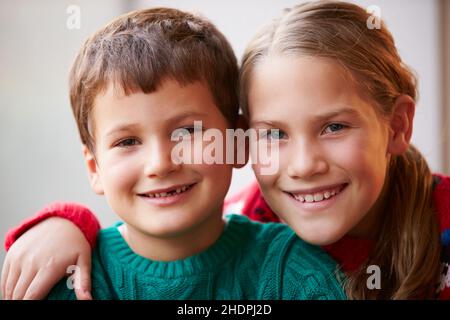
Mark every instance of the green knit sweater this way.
pixel 250 260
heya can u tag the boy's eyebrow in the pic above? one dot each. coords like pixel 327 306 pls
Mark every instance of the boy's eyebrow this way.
pixel 133 126
pixel 185 115
pixel 121 128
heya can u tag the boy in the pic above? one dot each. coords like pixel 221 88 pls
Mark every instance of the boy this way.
pixel 135 84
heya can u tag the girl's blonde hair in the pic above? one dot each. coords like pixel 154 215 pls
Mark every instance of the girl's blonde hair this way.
pixel 407 249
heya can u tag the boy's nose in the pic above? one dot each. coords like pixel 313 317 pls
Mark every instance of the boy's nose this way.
pixel 159 162
pixel 306 160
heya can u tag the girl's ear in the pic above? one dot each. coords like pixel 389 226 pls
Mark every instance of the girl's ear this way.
pixel 92 168
pixel 238 147
pixel 401 125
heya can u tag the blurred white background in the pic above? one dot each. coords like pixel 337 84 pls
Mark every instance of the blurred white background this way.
pixel 41 157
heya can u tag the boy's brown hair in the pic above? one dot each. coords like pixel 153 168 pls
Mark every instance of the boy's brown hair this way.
pixel 138 50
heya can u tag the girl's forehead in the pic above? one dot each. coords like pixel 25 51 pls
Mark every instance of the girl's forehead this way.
pixel 300 80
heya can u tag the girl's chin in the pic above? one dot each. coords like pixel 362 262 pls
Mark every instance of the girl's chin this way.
pixel 322 238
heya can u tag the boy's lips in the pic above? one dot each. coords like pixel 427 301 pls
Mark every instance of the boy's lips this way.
pixel 167 196
pixel 163 192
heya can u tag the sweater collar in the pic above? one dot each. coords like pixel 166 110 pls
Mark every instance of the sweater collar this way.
pixel 112 244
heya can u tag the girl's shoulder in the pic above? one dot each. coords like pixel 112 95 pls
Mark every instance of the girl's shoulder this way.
pixel 250 202
pixel 441 198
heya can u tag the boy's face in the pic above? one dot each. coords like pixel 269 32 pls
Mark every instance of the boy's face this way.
pixel 133 166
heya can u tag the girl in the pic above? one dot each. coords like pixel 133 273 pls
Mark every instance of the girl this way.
pixel 340 102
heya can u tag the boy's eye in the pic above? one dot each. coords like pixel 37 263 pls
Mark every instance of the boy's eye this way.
pixel 129 142
pixel 273 134
pixel 185 132
pixel 192 129
pixel 334 127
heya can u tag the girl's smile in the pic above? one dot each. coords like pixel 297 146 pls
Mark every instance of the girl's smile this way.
pixel 319 198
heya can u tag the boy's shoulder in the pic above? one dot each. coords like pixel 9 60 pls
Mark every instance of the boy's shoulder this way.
pixel 302 270
pixel 272 235
pixel 255 234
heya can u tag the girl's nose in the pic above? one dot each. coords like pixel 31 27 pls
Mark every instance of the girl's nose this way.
pixel 306 160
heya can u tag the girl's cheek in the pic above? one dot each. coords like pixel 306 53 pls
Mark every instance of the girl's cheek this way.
pixel 270 167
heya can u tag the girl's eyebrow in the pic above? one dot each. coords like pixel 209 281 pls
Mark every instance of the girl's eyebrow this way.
pixel 270 123
pixel 338 112
pixel 318 118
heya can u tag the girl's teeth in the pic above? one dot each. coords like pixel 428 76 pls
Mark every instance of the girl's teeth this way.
pixel 318 197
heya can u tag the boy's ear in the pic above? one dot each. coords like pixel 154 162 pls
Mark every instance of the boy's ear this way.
pixel 241 124
pixel 401 125
pixel 92 168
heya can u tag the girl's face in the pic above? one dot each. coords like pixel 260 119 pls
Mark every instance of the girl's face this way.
pixel 332 147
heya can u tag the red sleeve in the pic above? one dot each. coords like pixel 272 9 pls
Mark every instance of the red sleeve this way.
pixel 81 216
pixel 251 203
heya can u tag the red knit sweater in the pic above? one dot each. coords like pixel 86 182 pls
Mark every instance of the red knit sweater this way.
pixel 349 252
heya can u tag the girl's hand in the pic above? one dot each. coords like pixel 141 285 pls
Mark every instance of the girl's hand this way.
pixel 41 257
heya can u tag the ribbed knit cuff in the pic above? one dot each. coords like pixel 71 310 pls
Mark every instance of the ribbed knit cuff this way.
pixel 81 216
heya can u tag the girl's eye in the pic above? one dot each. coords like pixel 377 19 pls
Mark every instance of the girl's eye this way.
pixel 334 127
pixel 127 142
pixel 273 134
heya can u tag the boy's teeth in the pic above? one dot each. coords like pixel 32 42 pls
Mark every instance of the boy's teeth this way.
pixel 166 194
pixel 316 197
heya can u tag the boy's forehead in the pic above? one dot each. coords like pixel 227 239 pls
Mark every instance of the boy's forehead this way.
pixel 172 89
pixel 171 101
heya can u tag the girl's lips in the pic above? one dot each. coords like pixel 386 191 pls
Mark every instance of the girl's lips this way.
pixel 168 200
pixel 319 205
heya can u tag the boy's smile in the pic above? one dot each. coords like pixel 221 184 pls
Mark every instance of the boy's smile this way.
pixel 167 196
pixel 156 197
